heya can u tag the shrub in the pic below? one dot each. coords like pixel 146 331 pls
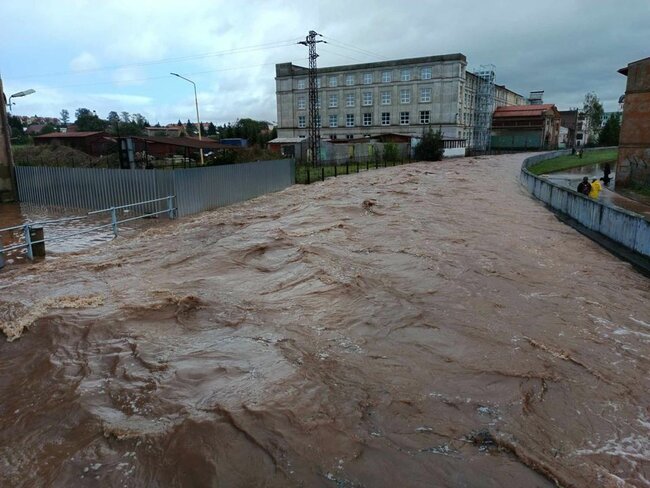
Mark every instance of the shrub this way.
pixel 430 147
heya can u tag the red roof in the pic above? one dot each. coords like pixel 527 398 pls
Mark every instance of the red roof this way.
pixel 58 135
pixel 523 110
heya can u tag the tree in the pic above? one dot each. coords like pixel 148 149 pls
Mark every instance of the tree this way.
pixel 594 112
pixel 16 126
pixel 47 129
pixel 113 118
pixel 140 120
pixel 430 147
pixel 89 121
pixel 65 117
pixel 126 117
pixel 212 129
pixel 610 132
pixel 190 128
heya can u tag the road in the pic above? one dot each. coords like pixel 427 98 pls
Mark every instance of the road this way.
pixel 423 325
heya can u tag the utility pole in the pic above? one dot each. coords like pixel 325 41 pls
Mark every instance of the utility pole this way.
pixel 314 128
pixel 7 182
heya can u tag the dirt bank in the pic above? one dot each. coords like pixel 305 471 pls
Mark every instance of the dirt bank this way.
pixel 424 325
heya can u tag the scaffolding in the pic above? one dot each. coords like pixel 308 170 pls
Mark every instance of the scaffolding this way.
pixel 485 104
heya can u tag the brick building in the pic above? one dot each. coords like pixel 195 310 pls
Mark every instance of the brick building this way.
pixel 633 165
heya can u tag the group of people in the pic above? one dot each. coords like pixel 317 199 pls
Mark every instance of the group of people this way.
pixel 594 188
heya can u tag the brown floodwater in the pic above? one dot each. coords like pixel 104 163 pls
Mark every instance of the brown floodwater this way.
pixel 424 325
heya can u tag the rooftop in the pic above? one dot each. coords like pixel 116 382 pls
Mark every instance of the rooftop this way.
pixel 524 110
pixel 69 135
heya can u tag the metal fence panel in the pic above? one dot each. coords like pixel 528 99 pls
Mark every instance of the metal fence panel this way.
pixel 196 189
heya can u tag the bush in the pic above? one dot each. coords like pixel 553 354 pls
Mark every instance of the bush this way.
pixel 391 153
pixel 430 147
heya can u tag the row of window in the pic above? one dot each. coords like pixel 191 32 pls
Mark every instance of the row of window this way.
pixel 366 98
pixel 369 78
pixel 404 119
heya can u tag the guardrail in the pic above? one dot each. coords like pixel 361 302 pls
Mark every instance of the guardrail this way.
pixel 28 227
pixel 626 228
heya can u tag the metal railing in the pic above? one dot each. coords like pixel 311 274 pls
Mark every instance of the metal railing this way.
pixel 27 228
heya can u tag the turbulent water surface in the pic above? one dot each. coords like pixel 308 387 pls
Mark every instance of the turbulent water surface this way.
pixel 424 325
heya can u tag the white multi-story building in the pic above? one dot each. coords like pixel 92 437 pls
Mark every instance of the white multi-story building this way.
pixel 401 97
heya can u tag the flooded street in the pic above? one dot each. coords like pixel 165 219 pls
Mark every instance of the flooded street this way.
pixel 422 325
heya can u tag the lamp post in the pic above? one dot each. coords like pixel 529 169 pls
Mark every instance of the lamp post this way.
pixel 196 102
pixel 20 94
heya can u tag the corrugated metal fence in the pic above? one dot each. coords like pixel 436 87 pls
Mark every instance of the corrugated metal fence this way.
pixel 627 228
pixel 196 189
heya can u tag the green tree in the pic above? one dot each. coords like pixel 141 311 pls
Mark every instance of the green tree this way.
pixel 190 128
pixel 113 117
pixel 48 129
pixel 140 120
pixel 89 121
pixel 391 153
pixel 430 147
pixel 65 117
pixel 212 129
pixel 16 125
pixel 126 117
pixel 594 112
pixel 610 132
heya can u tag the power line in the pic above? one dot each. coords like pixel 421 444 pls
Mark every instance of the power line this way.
pixel 258 47
pixel 314 117
pixel 343 45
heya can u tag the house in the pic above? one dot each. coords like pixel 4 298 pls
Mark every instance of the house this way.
pixel 526 127
pixel 92 143
pixel 633 166
pixel 169 131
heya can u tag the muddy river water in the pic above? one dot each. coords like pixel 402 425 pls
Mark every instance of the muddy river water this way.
pixel 424 325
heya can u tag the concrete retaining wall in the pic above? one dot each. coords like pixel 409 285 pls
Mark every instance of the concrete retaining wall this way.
pixel 626 228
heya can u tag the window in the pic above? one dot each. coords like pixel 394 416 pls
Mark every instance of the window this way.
pixel 334 101
pixel 385 98
pixel 425 95
pixel 385 118
pixel 367 98
pixel 318 124
pixel 318 101
pixel 367 78
pixel 349 136
pixel 425 117
pixel 317 82
pixel 404 118
pixel 302 121
pixel 332 137
pixel 405 96
pixel 349 80
pixel 349 100
pixel 334 121
pixel 302 83
pixel 386 77
pixel 405 75
pixel 349 120
pixel 301 103
pixel 367 119
pixel 425 73
pixel 333 81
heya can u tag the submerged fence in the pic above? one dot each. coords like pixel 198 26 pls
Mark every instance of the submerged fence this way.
pixel 196 189
pixel 626 228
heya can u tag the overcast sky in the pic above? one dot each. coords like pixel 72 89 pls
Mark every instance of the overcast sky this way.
pixel 117 55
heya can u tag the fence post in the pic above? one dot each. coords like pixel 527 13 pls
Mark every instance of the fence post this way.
pixel 335 170
pixel 170 206
pixel 357 166
pixel 322 169
pixel 347 167
pixel 28 241
pixel 114 220
pixel 367 165
pixel 308 176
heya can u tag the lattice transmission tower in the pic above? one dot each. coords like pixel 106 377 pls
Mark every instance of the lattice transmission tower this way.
pixel 314 116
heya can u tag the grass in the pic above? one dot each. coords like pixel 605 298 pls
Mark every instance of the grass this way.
pixel 306 174
pixel 573 161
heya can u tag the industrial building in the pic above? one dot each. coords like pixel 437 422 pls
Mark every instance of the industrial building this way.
pixel 398 97
pixel 526 127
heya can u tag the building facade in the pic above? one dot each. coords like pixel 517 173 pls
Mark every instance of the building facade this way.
pixel 400 97
pixel 526 127
pixel 633 167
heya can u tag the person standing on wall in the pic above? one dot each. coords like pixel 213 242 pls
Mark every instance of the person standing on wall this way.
pixel 606 171
pixel 584 187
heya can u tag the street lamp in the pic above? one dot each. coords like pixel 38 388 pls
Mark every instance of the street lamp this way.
pixel 196 102
pixel 20 94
